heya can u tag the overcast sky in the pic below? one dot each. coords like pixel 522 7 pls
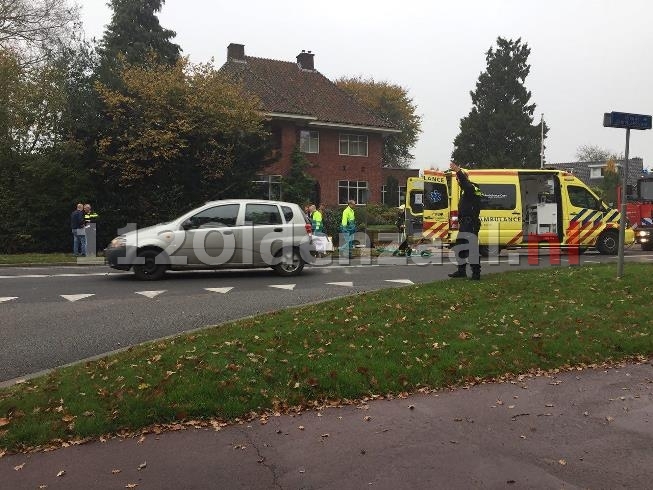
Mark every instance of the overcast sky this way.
pixel 587 56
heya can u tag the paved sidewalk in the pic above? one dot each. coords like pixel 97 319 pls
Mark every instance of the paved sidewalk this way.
pixel 583 429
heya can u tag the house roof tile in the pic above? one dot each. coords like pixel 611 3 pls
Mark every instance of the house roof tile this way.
pixel 284 87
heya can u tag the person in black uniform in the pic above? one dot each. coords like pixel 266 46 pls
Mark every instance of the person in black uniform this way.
pixel 469 209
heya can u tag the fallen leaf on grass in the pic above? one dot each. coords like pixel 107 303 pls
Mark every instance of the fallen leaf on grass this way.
pixel 3 422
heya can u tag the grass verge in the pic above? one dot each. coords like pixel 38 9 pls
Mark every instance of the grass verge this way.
pixel 386 342
pixel 12 259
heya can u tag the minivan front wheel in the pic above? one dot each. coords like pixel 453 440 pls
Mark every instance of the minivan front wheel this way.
pixel 290 262
pixel 149 269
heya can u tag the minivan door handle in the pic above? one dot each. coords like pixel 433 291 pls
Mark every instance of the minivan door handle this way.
pixel 278 229
pixel 227 232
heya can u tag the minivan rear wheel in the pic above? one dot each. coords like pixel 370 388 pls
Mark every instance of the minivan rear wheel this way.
pixel 290 263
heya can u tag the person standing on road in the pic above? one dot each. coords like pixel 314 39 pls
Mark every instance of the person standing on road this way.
pixel 90 225
pixel 79 234
pixel 316 220
pixel 348 228
pixel 469 209
pixel 401 228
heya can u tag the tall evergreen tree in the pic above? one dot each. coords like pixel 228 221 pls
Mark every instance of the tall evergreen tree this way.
pixel 134 33
pixel 499 131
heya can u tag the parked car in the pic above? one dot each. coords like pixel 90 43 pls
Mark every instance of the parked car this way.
pixel 237 233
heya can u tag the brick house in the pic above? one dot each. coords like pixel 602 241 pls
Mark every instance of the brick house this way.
pixel 342 139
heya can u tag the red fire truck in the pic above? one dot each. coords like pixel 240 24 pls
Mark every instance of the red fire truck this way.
pixel 639 210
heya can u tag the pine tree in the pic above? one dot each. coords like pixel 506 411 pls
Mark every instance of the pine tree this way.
pixel 499 130
pixel 134 33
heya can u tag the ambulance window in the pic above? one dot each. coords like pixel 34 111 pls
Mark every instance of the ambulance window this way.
pixel 499 196
pixel 435 196
pixel 416 201
pixel 582 198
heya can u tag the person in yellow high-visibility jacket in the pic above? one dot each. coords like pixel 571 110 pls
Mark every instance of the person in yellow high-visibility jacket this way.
pixel 347 229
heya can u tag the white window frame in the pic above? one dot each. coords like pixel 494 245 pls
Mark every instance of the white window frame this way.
pixel 268 183
pixel 359 188
pixel 594 170
pixel 402 189
pixel 352 144
pixel 309 141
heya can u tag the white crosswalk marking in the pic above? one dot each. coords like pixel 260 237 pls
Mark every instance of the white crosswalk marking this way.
pixel 150 294
pixel 75 297
pixel 290 287
pixel 8 298
pixel 219 290
pixel 346 284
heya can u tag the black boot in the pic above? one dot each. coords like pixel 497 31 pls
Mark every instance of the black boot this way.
pixel 476 272
pixel 461 272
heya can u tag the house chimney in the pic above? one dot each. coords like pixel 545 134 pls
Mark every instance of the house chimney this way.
pixel 305 60
pixel 236 52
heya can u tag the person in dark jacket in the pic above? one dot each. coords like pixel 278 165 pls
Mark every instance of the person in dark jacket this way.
pixel 469 208
pixel 77 227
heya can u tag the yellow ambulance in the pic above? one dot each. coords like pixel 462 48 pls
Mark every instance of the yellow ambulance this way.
pixel 520 207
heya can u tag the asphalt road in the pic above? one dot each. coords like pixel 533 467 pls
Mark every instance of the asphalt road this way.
pixel 52 316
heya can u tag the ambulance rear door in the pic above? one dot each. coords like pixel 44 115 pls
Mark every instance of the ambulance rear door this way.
pixel 436 207
pixel 414 205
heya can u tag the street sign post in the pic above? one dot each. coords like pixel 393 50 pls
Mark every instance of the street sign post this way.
pixel 627 121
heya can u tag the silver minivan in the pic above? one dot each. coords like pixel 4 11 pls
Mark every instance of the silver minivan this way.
pixel 236 233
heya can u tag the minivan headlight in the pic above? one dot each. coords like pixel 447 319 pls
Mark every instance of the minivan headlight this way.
pixel 118 242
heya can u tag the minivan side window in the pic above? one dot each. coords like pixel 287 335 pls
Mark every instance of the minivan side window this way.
pixel 262 214
pixel 582 198
pixel 287 213
pixel 216 217
pixel 499 196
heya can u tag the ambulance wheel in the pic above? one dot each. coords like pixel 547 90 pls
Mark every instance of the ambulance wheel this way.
pixel 608 243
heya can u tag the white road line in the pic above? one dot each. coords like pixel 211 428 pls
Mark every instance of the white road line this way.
pixel 289 287
pixel 219 290
pixel 75 297
pixel 401 281
pixel 41 276
pixel 150 294
pixel 8 298
pixel 347 284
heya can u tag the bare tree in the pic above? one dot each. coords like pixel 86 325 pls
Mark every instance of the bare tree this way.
pixel 35 29
pixel 594 153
